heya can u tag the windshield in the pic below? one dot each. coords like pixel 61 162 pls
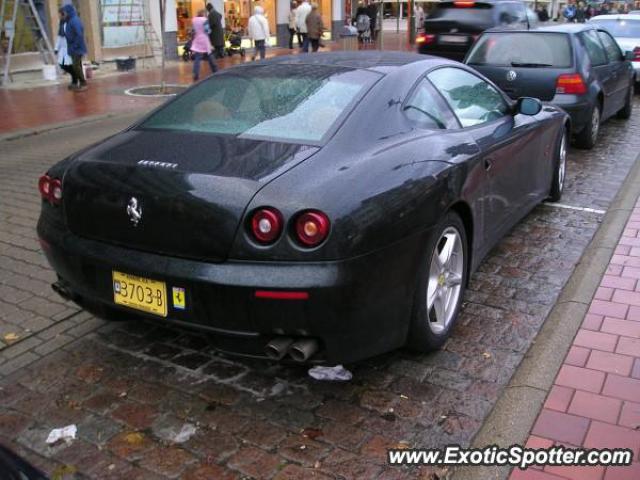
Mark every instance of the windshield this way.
pixel 522 49
pixel 296 103
pixel 621 27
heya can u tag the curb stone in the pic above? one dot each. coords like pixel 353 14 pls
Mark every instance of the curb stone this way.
pixel 516 410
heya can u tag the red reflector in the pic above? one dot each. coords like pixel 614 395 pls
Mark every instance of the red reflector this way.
pixel 636 54
pixel 571 83
pixel 280 295
pixel 464 4
pixel 44 244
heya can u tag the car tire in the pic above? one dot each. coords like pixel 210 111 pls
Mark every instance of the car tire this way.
pixel 560 167
pixel 441 283
pixel 588 137
pixel 625 112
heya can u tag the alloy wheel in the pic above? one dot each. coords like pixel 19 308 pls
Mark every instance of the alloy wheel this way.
pixel 595 124
pixel 445 280
pixel 562 162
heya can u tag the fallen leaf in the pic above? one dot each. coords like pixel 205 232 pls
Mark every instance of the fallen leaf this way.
pixel 11 337
pixel 134 438
pixel 312 433
pixel 63 472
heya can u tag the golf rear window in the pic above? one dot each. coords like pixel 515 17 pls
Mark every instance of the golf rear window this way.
pixel 522 49
pixel 288 103
pixel 463 12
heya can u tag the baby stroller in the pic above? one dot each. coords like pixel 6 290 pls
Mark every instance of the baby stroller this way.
pixel 234 41
pixel 187 54
pixel 363 26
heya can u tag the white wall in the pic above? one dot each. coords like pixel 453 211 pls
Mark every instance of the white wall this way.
pixel 282 11
pixel 170 19
pixel 337 10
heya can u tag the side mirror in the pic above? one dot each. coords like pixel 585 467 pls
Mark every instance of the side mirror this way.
pixel 528 106
pixel 629 55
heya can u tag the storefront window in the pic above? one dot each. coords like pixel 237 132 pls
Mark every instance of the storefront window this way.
pixel 122 23
pixel 237 13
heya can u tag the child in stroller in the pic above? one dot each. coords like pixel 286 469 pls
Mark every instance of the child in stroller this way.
pixel 234 39
pixel 363 25
pixel 187 54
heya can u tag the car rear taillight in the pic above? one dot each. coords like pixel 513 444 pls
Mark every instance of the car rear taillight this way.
pixel 636 54
pixel 266 225
pixel 312 228
pixel 50 189
pixel 464 4
pixel 425 39
pixel 571 83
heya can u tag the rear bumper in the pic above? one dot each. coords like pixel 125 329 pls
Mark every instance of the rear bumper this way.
pixel 357 308
pixel 578 107
pixel 451 52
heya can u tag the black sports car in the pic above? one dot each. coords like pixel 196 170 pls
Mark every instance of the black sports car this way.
pixel 320 208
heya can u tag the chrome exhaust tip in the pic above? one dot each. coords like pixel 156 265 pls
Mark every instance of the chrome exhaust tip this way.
pixel 303 350
pixel 277 348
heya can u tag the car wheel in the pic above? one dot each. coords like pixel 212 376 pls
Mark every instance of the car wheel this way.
pixel 440 286
pixel 625 113
pixel 557 184
pixel 589 135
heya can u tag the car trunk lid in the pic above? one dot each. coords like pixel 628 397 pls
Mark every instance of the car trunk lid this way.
pixel 190 190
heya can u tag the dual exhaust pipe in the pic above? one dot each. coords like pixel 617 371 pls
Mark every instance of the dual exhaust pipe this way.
pixel 298 350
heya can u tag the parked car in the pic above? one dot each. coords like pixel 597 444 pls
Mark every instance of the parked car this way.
pixel 452 26
pixel 325 207
pixel 626 31
pixel 578 67
pixel 14 467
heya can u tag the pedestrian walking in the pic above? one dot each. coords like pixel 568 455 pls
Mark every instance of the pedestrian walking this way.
pixel 259 32
pixel 581 13
pixel 64 59
pixel 569 13
pixel 76 46
pixel 293 27
pixel 216 35
pixel 301 21
pixel 201 45
pixel 315 27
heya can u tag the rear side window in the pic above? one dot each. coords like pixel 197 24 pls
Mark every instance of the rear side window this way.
pixel 522 49
pixel 611 47
pixel 426 109
pixel 473 100
pixel 594 47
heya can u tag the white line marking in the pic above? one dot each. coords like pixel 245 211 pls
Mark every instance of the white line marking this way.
pixel 571 207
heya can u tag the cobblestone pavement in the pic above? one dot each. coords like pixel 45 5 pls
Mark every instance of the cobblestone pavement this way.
pixel 135 389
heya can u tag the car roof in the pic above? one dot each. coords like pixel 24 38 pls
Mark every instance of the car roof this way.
pixel 368 60
pixel 562 28
pixel 624 16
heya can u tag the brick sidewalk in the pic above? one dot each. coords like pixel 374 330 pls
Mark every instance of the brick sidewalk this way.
pixel 595 400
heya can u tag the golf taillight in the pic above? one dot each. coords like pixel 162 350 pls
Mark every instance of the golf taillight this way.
pixel 312 228
pixel 636 54
pixel 571 83
pixel 266 225
pixel 425 39
pixel 50 189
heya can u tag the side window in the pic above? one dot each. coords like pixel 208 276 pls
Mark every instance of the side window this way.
pixel 593 47
pixel 426 108
pixel 611 47
pixel 473 100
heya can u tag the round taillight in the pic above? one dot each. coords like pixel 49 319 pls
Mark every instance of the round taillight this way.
pixel 266 225
pixel 55 191
pixel 44 186
pixel 312 228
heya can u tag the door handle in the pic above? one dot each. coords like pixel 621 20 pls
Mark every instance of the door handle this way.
pixel 487 164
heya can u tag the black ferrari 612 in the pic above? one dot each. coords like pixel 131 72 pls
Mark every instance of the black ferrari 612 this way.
pixel 322 208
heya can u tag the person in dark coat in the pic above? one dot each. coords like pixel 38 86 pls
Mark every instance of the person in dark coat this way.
pixel 76 46
pixel 372 11
pixel 217 33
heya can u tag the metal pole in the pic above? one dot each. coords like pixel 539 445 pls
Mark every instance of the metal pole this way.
pixel 412 22
pixel 380 19
pixel 163 9
pixel 398 15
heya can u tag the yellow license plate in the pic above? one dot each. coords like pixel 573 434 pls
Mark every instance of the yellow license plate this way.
pixel 140 293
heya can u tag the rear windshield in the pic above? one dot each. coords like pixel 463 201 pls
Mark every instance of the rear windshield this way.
pixel 620 28
pixel 522 49
pixel 463 12
pixel 296 103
